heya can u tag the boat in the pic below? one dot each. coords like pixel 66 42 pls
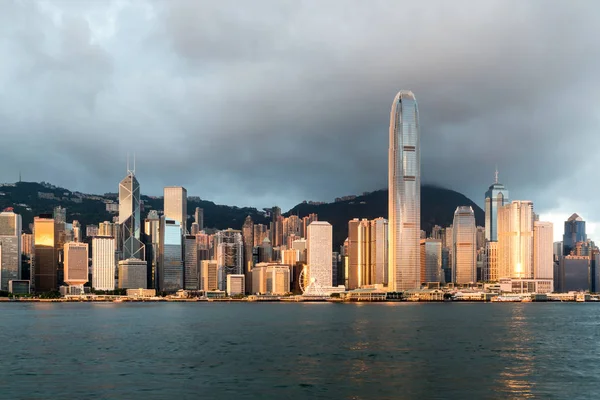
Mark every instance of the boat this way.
pixel 506 299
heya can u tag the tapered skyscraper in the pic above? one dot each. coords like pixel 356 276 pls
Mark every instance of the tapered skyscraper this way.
pixel 404 194
pixel 129 217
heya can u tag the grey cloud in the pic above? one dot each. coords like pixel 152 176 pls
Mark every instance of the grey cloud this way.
pixel 275 102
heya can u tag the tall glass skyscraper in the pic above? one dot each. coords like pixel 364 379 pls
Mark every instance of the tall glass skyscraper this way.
pixel 495 197
pixel 404 194
pixel 464 246
pixel 574 232
pixel 129 217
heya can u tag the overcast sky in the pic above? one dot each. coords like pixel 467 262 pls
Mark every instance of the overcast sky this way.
pixel 274 102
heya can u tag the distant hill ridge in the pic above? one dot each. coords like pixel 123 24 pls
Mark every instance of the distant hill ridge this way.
pixel 31 198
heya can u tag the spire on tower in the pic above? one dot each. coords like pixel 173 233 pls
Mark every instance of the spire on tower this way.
pixel 496 175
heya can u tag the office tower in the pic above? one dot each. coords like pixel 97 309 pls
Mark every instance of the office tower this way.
pixel 423 234
pixel 199 218
pixel 358 253
pixel 77 236
pixel 319 246
pixel 175 205
pixel 76 264
pixel 574 232
pixel 60 215
pixel 292 226
pixel 151 240
pixel 300 245
pixel 190 263
pixel 260 233
pixel 290 257
pixel 558 250
pixel 515 240
pixel 229 251
pixel 271 279
pixel 170 268
pixel 543 258
pixel 431 260
pixel 46 257
pixel 490 266
pixel 464 252
pixel 437 232
pixel 378 237
pixel 132 274
pixel 248 239
pixel 194 229
pixel 28 253
pixel 480 237
pixel 209 275
pixel 306 221
pixel 91 230
pixel 129 217
pixel 103 263
pixel 276 229
pixel 108 228
pixel 446 264
pixel 10 247
pixel 265 251
pixel 495 197
pixel 236 284
pixel 404 194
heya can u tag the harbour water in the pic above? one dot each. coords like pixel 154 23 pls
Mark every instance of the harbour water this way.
pixel 299 350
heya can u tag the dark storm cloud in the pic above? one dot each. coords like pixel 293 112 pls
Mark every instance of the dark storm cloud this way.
pixel 274 102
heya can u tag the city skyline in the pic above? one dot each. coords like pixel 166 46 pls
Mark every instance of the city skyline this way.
pixel 112 107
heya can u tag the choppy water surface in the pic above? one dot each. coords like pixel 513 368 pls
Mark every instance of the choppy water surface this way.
pixel 294 351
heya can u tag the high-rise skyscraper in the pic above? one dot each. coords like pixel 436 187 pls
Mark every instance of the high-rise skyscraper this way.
pixel 248 238
pixel 209 275
pixel 378 237
pixel 229 252
pixel 199 218
pixel 464 241
pixel 515 240
pixel 76 264
pixel 495 197
pixel 574 233
pixel 431 261
pixel 319 246
pixel 543 257
pixel 129 217
pixel 10 247
pixel 175 205
pixel 103 263
pixel 358 253
pixel 46 258
pixel 404 194
pixel 170 268
pixel 190 263
pixel 60 215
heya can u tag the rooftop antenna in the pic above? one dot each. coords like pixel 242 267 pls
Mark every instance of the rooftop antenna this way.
pixel 128 162
pixel 496 174
pixel 133 163
pixel 19 175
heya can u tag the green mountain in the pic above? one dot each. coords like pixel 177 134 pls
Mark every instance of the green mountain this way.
pixel 30 199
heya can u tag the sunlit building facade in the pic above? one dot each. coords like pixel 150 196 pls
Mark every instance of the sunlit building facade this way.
pixel 543 252
pixel 515 240
pixel 10 247
pixel 319 245
pixel 175 205
pixel 209 275
pixel 404 194
pixel 464 250
pixel 46 257
pixel 132 274
pixel 378 241
pixel 103 263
